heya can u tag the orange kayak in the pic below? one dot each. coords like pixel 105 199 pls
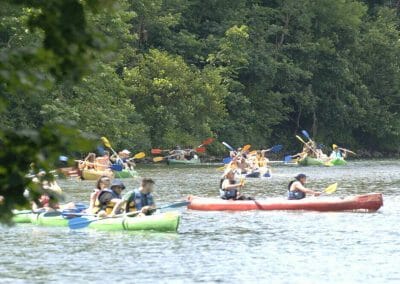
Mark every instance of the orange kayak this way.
pixel 368 202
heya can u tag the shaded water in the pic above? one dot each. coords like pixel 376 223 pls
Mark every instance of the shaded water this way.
pixel 227 247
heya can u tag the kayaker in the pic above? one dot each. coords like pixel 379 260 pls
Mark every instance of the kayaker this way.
pixel 51 194
pixel 337 153
pixel 177 153
pixel 140 199
pixel 103 163
pixel 109 199
pixel 102 183
pixel 297 189
pixel 230 188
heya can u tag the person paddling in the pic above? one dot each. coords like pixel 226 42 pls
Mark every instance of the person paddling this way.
pixel 297 189
pixel 109 199
pixel 230 188
pixel 140 199
pixel 337 153
pixel 104 182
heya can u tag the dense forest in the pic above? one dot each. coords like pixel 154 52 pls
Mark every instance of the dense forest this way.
pixel 243 71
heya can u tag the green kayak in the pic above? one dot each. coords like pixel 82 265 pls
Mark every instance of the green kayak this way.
pixel 49 219
pixel 166 222
pixel 194 161
pixel 126 174
pixel 339 162
pixel 308 161
pixel 23 216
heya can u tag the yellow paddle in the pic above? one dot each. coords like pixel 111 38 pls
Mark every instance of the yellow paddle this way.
pixel 158 159
pixel 331 189
pixel 140 155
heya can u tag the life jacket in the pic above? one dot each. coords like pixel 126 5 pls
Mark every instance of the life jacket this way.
pixel 229 194
pixel 102 163
pixel 138 200
pixel 106 207
pixel 336 155
pixel 295 194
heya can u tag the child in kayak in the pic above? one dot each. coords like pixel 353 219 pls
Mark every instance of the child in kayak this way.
pixel 230 189
pixel 297 189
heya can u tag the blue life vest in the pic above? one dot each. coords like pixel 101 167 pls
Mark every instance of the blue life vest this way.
pixel 141 200
pixel 229 194
pixel 295 194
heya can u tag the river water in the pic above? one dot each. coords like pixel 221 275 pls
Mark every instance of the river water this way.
pixel 224 247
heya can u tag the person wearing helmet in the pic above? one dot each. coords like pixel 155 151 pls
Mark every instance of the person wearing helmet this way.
pixel 297 189
pixel 337 153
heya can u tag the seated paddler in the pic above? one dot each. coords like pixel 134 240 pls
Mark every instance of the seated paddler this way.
pixel 109 199
pixel 230 188
pixel 140 200
pixel 297 189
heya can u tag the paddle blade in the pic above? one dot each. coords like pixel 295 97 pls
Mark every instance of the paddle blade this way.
pixel 246 147
pixel 106 142
pixel 158 159
pixel 176 205
pixel 117 167
pixel 201 150
pixel 140 155
pixel 276 149
pixel 305 134
pixel 300 139
pixel 228 146
pixel 79 223
pixel 331 189
pixel 287 159
pixel 156 151
pixel 227 160
pixel 208 141
pixel 220 169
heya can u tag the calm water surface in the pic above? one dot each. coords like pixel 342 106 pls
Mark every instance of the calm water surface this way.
pixel 225 247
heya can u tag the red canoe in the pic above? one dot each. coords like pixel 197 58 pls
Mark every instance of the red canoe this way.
pixel 368 202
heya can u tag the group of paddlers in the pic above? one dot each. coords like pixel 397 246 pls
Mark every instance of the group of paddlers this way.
pixel 105 200
pixel 104 162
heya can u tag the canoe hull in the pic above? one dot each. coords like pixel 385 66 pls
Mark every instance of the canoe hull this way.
pixel 22 216
pixel 95 174
pixel 126 174
pixel 193 161
pixel 308 161
pixel 166 222
pixel 49 221
pixel 369 202
pixel 311 162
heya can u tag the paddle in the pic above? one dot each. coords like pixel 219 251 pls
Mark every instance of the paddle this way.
pixel 200 150
pixel 107 143
pixel 116 167
pixel 157 151
pixel 305 134
pixel 228 146
pixel 275 149
pixel 138 156
pixel 331 189
pixel 308 146
pixel 206 142
pixel 287 159
pixel 80 222
pixel 347 150
pixel 158 159
pixel 227 160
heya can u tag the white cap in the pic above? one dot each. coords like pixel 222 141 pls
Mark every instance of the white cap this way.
pixel 125 151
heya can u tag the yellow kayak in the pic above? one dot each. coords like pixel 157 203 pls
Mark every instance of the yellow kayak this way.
pixel 92 174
